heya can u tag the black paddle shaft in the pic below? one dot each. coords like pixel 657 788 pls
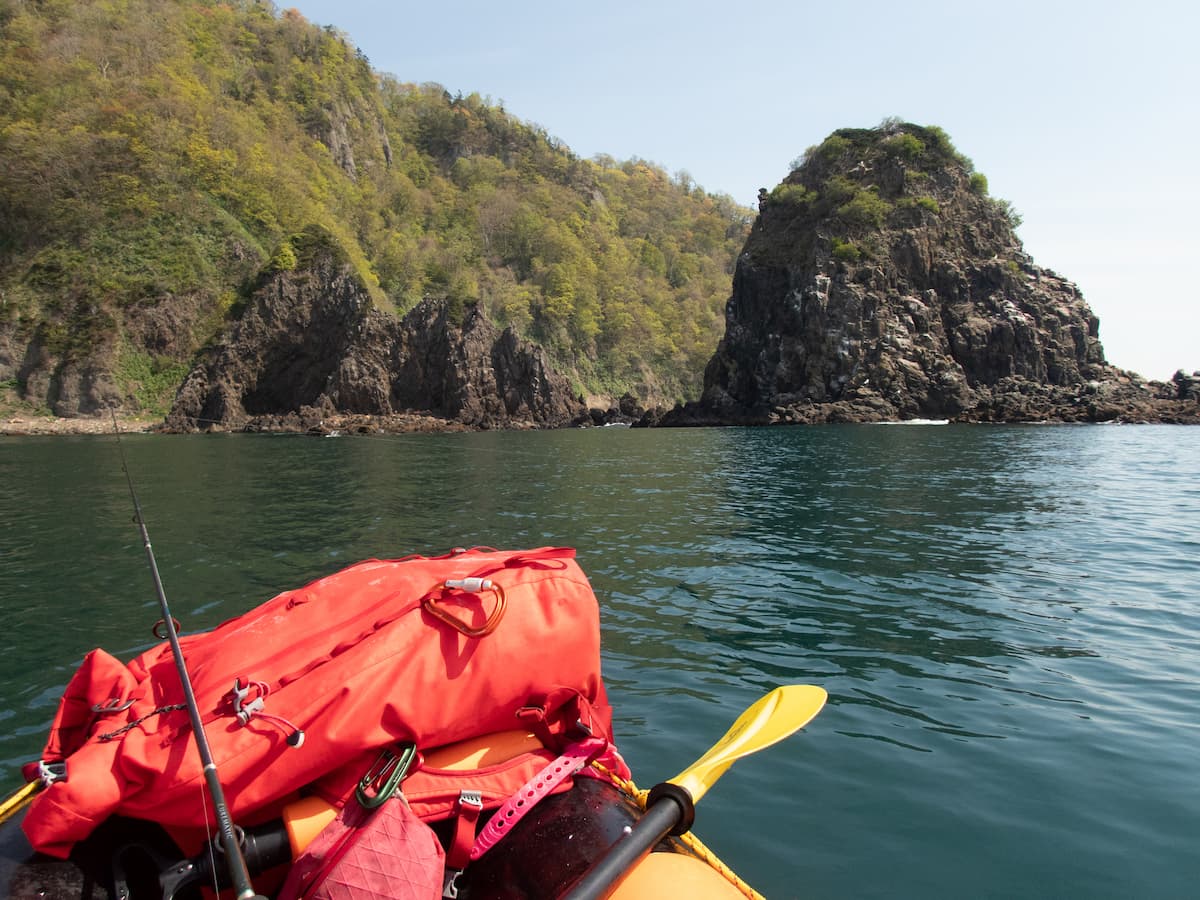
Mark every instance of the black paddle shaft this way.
pixel 661 819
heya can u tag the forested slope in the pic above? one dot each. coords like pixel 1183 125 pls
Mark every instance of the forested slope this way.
pixel 160 158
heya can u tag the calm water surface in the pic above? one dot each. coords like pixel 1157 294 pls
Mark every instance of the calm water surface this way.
pixel 1006 618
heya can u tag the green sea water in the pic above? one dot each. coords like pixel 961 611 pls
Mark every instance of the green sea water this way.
pixel 1006 618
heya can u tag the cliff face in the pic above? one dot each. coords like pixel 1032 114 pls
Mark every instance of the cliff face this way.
pixel 310 349
pixel 881 282
pixel 157 155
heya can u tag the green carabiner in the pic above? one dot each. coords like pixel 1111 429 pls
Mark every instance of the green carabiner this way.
pixel 387 771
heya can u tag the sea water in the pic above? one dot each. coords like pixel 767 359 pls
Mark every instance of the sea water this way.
pixel 1006 618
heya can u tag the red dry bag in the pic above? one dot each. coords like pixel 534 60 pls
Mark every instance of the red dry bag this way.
pixel 425 650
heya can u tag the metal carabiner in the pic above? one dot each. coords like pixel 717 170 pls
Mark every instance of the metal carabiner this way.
pixel 112 706
pixel 471 586
pixel 385 775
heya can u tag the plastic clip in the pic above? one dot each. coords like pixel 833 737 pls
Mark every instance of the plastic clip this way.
pixel 50 772
pixel 245 711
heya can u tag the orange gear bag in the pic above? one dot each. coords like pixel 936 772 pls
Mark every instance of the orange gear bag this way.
pixel 428 650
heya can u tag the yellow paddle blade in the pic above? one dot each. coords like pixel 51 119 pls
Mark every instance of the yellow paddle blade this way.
pixel 780 713
pixel 18 801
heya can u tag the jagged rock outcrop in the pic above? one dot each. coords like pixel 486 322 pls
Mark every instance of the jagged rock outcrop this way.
pixel 881 282
pixel 311 348
pixel 1182 386
pixel 68 385
pixel 475 374
pixel 625 411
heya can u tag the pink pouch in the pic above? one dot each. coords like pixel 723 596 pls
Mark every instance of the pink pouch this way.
pixel 370 854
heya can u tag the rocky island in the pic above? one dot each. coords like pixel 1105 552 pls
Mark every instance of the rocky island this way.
pixel 882 282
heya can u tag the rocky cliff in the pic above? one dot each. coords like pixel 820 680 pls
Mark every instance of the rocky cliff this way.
pixel 881 282
pixel 157 155
pixel 311 352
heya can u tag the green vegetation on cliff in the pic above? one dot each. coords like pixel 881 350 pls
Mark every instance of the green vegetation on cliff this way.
pixel 158 157
pixel 860 181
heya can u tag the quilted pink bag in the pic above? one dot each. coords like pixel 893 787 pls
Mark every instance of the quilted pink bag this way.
pixel 385 853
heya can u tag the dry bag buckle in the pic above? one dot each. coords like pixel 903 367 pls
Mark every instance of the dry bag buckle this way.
pixel 243 709
pixel 246 709
pixel 471 586
pixel 50 772
pixel 385 776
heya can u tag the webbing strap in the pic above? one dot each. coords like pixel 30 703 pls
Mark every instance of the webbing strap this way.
pixel 572 759
pixel 467 810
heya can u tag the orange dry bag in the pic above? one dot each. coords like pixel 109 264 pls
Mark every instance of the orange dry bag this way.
pixel 430 651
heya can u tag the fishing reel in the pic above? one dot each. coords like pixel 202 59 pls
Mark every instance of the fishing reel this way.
pixel 131 859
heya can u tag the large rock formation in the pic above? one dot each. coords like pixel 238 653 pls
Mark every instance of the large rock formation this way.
pixel 310 350
pixel 881 282
pixel 69 386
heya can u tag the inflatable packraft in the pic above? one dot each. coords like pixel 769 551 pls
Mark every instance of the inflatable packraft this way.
pixel 423 727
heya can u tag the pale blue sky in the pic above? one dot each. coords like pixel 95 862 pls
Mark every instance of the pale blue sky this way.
pixel 1083 114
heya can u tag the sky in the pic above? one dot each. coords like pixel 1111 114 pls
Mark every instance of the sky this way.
pixel 1083 115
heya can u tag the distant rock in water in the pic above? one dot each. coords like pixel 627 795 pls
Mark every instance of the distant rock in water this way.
pixel 310 350
pixel 881 282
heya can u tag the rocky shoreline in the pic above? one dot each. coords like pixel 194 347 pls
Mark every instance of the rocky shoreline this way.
pixel 1128 401
pixel 22 424
pixel 30 425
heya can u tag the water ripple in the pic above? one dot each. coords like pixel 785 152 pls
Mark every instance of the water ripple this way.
pixel 1005 618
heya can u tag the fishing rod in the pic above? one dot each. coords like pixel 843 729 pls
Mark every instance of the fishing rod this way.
pixel 238 873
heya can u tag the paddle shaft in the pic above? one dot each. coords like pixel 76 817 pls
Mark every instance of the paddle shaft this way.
pixel 671 806
pixel 238 873
pixel 604 874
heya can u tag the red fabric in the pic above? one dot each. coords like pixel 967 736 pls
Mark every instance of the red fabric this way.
pixel 101 680
pixel 554 775
pixel 433 793
pixel 354 661
pixel 459 850
pixel 382 854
